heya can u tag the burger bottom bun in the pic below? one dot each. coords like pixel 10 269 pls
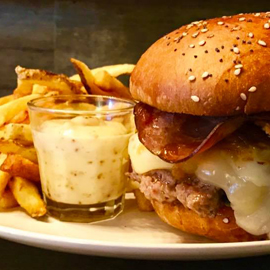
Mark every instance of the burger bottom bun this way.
pixel 222 228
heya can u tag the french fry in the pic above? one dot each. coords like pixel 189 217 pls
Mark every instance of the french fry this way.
pixel 21 117
pixel 14 107
pixel 10 147
pixel 28 197
pixel 16 165
pixel 40 89
pixel 7 200
pixel 143 204
pixel 6 99
pixel 75 77
pixel 115 70
pixel 87 77
pixel 59 82
pixel 111 85
pixel 4 178
pixel 19 133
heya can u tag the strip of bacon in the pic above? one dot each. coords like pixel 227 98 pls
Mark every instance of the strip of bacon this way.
pixel 177 137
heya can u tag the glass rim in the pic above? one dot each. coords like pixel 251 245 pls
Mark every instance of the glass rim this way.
pixel 33 106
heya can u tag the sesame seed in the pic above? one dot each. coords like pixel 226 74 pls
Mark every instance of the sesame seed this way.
pixel 236 28
pixel 192 46
pixel 195 34
pixel 224 17
pixel 192 78
pixel 195 98
pixel 210 36
pixel 266 26
pixel 249 42
pixel 189 26
pixel 242 19
pixel 236 50
pixel 184 34
pixel 225 220
pixel 251 35
pixel 262 43
pixel 204 30
pixel 204 23
pixel 237 108
pixel 243 96
pixel 220 23
pixel 205 75
pixel 237 72
pixel 202 42
pixel 238 66
pixel 252 89
pixel 258 14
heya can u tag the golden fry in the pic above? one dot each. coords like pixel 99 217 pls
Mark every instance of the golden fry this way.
pixel 39 89
pixel 19 133
pixel 6 99
pixel 143 204
pixel 21 117
pixel 14 107
pixel 28 197
pixel 111 85
pixel 4 178
pixel 115 70
pixel 7 200
pixel 10 147
pixel 75 77
pixel 28 77
pixel 87 78
pixel 16 165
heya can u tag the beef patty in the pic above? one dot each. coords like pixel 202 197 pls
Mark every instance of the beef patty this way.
pixel 200 197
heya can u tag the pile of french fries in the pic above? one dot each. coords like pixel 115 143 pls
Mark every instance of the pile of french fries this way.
pixel 19 171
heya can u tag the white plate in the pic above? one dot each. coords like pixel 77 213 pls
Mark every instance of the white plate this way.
pixel 133 234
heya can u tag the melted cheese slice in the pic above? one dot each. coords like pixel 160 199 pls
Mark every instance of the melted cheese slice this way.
pixel 246 182
pixel 142 159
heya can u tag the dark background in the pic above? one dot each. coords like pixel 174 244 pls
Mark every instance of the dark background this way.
pixel 45 34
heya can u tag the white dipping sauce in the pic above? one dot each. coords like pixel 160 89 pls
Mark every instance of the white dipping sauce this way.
pixel 82 160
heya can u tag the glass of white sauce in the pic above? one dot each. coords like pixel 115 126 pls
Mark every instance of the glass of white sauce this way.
pixel 81 143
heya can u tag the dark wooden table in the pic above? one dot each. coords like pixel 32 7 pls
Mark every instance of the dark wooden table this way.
pixel 15 256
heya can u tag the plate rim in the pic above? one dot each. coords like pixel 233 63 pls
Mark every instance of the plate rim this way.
pixel 85 242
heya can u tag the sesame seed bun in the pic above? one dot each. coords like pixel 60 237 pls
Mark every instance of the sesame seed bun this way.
pixel 215 67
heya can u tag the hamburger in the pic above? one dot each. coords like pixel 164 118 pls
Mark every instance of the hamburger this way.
pixel 202 152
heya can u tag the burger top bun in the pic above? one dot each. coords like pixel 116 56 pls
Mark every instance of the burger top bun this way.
pixel 214 67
